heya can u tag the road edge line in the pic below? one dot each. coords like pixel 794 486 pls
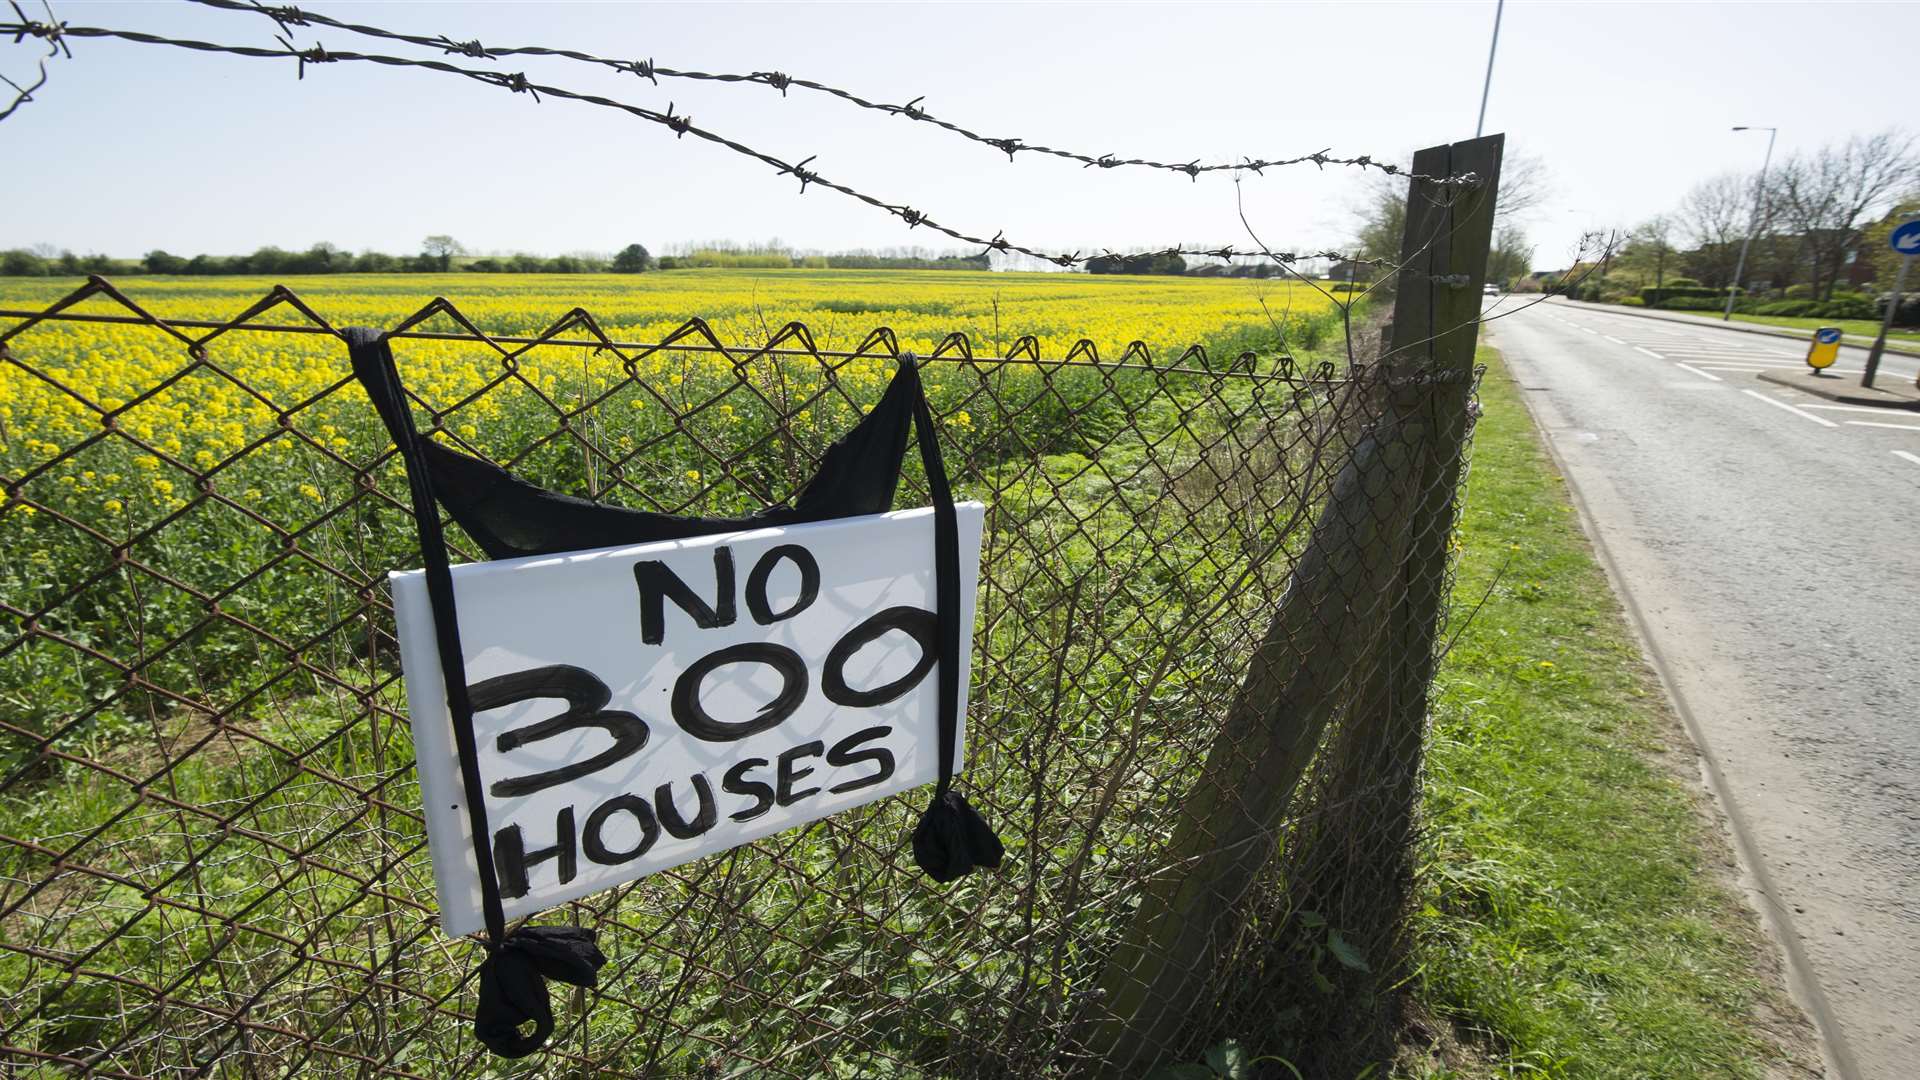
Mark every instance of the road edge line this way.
pixel 1799 412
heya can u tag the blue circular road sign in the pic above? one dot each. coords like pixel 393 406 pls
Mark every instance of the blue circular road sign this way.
pixel 1827 335
pixel 1906 238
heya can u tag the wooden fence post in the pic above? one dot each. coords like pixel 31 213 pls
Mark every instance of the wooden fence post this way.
pixel 1356 870
pixel 1365 566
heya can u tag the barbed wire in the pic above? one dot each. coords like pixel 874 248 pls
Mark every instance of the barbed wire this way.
pixel 682 125
pixel 287 17
pixel 49 32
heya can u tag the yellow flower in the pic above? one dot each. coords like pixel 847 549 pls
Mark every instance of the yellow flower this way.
pixel 164 487
pixel 693 475
pixel 147 461
pixel 310 492
pixel 112 505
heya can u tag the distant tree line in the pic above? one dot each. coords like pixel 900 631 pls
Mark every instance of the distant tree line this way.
pixel 1239 270
pixel 1161 263
pixel 1818 220
pixel 1810 220
pixel 775 257
pixel 440 254
pixel 1136 264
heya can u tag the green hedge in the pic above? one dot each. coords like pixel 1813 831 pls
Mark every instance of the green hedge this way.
pixel 1664 297
pixel 1844 308
pixel 1709 302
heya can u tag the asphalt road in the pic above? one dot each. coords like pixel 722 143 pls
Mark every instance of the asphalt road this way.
pixel 1769 543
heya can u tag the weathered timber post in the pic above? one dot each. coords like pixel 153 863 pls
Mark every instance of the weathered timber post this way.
pixel 1353 587
pixel 1354 867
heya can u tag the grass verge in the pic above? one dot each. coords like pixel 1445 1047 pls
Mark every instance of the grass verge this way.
pixel 1578 917
pixel 1866 328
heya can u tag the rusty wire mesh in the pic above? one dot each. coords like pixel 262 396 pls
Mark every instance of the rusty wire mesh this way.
pixel 1189 716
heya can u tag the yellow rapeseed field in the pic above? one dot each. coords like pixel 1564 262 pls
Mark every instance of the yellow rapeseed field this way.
pixel 234 473
pixel 71 375
pixel 197 672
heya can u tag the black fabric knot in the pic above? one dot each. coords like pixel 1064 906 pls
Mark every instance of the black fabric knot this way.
pixel 513 984
pixel 952 838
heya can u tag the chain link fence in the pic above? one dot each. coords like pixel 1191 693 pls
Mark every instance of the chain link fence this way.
pixel 1193 669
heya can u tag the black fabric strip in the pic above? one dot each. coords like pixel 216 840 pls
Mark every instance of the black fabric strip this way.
pixel 951 838
pixel 946 570
pixel 509 517
pixel 513 977
pixel 373 366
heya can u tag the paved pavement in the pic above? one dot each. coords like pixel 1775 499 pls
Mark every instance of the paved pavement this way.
pixel 1769 544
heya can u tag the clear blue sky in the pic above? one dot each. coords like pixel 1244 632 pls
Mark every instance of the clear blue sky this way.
pixel 133 147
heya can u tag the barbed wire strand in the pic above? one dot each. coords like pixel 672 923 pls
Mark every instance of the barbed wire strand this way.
pixel 287 17
pixel 51 34
pixel 682 125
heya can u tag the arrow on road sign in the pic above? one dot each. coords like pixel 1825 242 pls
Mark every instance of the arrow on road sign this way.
pixel 1906 238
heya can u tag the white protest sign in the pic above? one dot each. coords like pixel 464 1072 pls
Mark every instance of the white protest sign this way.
pixel 638 707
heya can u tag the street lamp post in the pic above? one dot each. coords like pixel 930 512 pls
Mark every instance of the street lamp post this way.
pixel 1760 193
pixel 1487 87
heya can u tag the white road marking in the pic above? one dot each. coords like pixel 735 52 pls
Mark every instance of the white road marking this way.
pixel 1696 371
pixel 1649 352
pixel 1878 410
pixel 1821 420
pixel 1613 339
pixel 1731 367
pixel 1915 458
pixel 1896 427
pixel 1830 371
pixel 1588 330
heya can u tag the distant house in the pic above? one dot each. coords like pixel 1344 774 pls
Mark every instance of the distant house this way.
pixel 1343 270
